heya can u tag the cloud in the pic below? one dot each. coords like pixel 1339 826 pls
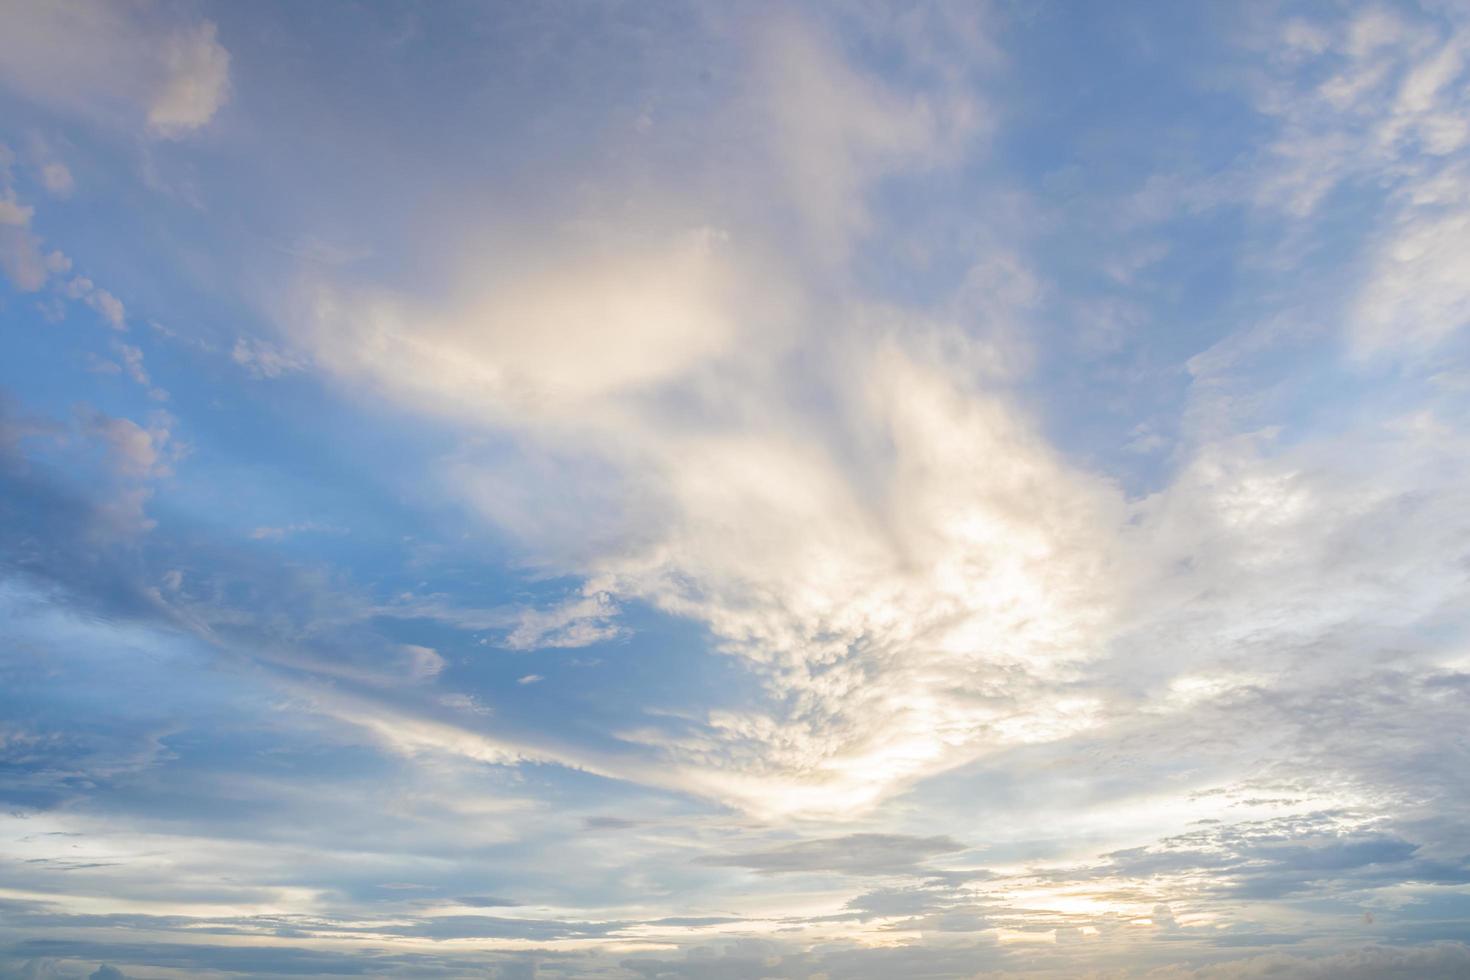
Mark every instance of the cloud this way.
pixel 1415 297
pixel 20 249
pixel 550 341
pixel 493 927
pixel 114 63
pixel 1382 107
pixel 268 532
pixel 887 540
pixel 855 854
pixel 12 213
pixel 1321 852
pixel 897 901
pixel 55 176
pixel 131 449
pixel 57 179
pixel 485 901
pixel 516 971
pixel 897 553
pixel 108 306
pixel 838 129
pixel 196 83
pixel 21 257
pixel 424 661
pixel 575 623
pixel 16 427
pixel 465 702
pixel 133 456
pixel 189 957
pixel 609 823
pixel 1439 961
pixel 976 544
pixel 263 359
pixel 132 362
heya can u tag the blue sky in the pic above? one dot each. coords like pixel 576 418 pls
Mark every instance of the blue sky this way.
pixel 641 490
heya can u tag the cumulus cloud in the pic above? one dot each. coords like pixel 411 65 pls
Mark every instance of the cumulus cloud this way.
pixel 20 248
pixel 133 450
pixel 57 178
pixel 196 82
pixel 113 62
pixel 108 306
pixel 21 253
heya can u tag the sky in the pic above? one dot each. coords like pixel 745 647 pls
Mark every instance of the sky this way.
pixel 734 491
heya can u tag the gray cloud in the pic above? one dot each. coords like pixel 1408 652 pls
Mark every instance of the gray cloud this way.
pixel 486 901
pixel 854 854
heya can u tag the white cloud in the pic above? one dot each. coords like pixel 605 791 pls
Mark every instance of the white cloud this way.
pixel 424 662
pixel 278 533
pixel 465 702
pixel 20 249
pixel 196 84
pixel 15 214
pixel 263 359
pixel 858 854
pixel 870 522
pixel 56 177
pixel 855 504
pixel 837 130
pixel 132 362
pixel 29 270
pixel 124 510
pixel 131 449
pixel 1433 961
pixel 412 735
pixel 955 531
pixel 115 62
pixel 899 556
pixel 1391 113
pixel 135 456
pixel 577 622
pixel 108 306
pixel 554 339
